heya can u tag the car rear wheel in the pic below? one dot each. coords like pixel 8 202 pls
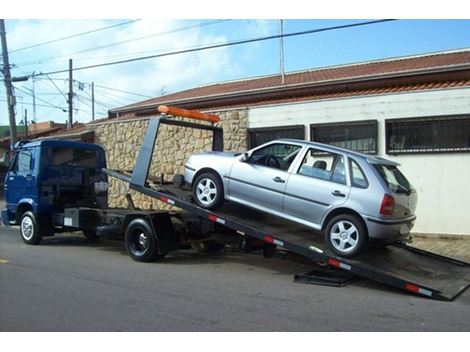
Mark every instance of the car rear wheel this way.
pixel 29 229
pixel 346 235
pixel 208 191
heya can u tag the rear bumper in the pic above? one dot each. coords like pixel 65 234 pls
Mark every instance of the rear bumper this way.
pixel 389 230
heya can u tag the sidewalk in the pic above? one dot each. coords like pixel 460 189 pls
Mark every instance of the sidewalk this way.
pixel 458 248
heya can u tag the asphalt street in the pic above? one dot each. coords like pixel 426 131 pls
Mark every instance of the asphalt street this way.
pixel 69 284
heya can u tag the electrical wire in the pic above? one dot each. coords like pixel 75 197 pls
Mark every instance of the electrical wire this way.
pixel 99 86
pixel 124 91
pixel 277 36
pixel 73 36
pixel 44 101
pixel 99 47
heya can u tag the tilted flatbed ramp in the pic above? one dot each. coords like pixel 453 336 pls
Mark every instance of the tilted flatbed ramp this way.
pixel 401 266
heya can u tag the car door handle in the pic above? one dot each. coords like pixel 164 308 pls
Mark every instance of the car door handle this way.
pixel 338 194
pixel 279 180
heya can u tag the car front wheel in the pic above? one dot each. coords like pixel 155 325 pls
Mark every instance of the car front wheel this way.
pixel 208 191
pixel 346 235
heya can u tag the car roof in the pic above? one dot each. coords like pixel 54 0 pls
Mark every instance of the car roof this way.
pixel 370 158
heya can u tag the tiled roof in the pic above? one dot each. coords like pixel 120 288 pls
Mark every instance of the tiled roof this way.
pixel 417 65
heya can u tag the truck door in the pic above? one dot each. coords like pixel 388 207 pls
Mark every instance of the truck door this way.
pixel 20 179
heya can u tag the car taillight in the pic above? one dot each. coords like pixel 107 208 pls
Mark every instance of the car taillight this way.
pixel 388 204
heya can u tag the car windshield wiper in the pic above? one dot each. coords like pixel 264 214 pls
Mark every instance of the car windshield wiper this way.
pixel 402 189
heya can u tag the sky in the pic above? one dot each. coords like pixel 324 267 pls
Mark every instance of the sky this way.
pixel 134 37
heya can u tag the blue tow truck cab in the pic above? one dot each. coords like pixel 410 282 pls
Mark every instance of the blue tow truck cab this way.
pixel 55 186
pixel 47 176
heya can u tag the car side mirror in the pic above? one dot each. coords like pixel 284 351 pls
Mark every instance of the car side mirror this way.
pixel 245 157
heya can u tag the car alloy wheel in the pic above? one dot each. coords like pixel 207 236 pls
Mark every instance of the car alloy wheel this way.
pixel 206 191
pixel 344 236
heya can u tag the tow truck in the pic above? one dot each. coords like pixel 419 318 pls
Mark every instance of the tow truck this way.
pixel 55 206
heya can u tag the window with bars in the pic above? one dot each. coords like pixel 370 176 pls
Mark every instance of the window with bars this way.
pixel 360 136
pixel 258 136
pixel 428 135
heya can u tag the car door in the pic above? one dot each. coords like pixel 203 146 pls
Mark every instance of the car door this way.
pixel 20 179
pixel 261 180
pixel 319 183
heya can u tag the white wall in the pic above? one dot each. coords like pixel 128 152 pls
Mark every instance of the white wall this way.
pixel 442 180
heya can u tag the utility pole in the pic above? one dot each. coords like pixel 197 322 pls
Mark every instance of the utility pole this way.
pixel 26 123
pixel 92 101
pixel 34 101
pixel 70 95
pixel 282 50
pixel 8 85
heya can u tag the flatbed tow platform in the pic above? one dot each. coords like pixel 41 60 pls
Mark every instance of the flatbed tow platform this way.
pixel 401 266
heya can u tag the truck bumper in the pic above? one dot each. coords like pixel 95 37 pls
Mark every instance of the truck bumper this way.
pixel 5 217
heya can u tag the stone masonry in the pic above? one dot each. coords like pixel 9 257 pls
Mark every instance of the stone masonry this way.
pixel 122 139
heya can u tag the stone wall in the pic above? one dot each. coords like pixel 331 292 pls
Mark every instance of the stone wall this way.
pixel 122 139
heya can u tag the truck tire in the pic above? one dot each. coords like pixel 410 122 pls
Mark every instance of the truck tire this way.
pixel 29 229
pixel 140 241
pixel 346 235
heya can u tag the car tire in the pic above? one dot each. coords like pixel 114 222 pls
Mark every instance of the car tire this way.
pixel 29 229
pixel 208 191
pixel 346 235
pixel 140 242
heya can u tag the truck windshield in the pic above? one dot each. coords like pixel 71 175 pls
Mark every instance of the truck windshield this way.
pixel 395 180
pixel 74 157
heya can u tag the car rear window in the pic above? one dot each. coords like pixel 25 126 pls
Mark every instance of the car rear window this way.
pixel 395 180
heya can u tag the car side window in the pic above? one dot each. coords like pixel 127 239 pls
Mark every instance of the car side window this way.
pixel 323 165
pixel 23 161
pixel 278 155
pixel 358 178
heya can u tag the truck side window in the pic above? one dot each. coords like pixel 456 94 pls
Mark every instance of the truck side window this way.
pixel 23 161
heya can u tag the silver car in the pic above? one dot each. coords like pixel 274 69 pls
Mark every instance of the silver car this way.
pixel 351 197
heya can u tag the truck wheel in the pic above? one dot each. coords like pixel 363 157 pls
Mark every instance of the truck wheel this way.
pixel 208 191
pixel 140 241
pixel 346 235
pixel 29 229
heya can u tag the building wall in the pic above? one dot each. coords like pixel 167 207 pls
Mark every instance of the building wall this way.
pixel 442 180
pixel 122 140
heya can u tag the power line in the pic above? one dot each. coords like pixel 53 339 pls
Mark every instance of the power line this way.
pixel 124 91
pixel 55 85
pixel 100 86
pixel 311 31
pixel 74 36
pixel 181 29
pixel 44 101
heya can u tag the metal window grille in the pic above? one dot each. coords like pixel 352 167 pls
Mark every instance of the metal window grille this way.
pixel 441 134
pixel 258 136
pixel 360 136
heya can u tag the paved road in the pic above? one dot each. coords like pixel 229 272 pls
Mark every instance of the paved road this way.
pixel 69 284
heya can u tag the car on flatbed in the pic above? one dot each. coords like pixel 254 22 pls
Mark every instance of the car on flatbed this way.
pixel 350 196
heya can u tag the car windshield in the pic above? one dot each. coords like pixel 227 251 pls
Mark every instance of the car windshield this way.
pixel 395 180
